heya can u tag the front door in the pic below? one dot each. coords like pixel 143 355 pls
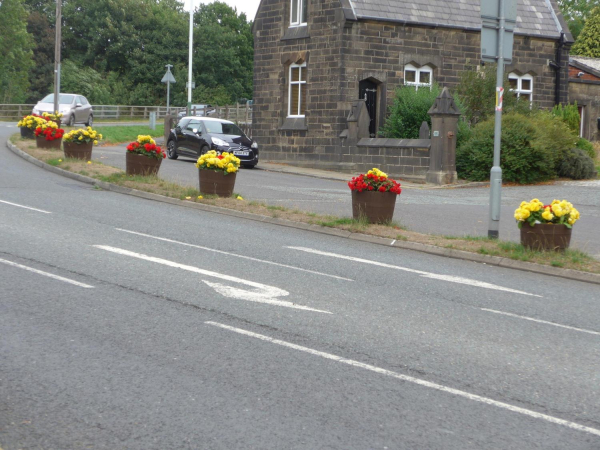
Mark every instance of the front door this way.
pixel 367 90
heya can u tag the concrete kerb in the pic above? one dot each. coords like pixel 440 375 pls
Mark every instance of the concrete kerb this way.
pixel 405 245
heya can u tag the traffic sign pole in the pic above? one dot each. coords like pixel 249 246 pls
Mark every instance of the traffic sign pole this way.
pixel 496 172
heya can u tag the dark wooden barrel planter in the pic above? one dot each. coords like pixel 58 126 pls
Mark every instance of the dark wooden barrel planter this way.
pixel 78 151
pixel 41 142
pixel 545 236
pixel 27 133
pixel 216 183
pixel 377 207
pixel 136 164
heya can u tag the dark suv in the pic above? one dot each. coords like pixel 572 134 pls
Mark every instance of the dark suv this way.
pixel 194 136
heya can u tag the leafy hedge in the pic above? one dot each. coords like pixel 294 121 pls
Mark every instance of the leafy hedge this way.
pixel 532 148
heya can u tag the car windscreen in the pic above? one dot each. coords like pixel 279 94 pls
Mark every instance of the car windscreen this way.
pixel 63 99
pixel 222 128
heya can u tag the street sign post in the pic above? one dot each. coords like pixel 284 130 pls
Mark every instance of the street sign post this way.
pixel 168 78
pixel 498 19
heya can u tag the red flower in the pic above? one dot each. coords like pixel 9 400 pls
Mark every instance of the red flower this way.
pixel 382 189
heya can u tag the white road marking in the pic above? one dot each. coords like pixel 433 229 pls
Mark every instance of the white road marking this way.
pixel 234 254
pixel 449 278
pixel 418 381
pixel 50 275
pixel 262 293
pixel 582 330
pixel 26 207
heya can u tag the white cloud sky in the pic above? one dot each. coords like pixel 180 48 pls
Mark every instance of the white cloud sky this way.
pixel 247 6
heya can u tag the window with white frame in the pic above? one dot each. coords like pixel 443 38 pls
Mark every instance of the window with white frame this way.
pixel 299 13
pixel 521 86
pixel 297 94
pixel 421 76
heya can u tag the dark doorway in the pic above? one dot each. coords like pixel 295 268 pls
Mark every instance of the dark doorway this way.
pixel 367 90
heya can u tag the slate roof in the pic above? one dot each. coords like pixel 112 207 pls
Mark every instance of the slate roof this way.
pixel 592 65
pixel 534 17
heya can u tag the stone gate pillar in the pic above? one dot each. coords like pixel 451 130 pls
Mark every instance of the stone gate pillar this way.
pixel 444 127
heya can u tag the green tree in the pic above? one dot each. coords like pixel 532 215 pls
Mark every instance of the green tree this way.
pixel 16 56
pixel 576 12
pixel 588 42
pixel 223 54
pixel 41 75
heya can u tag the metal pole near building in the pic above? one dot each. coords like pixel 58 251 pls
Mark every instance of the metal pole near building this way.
pixel 496 172
pixel 57 45
pixel 189 101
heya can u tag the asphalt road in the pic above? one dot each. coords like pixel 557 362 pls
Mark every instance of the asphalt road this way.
pixel 454 212
pixel 127 323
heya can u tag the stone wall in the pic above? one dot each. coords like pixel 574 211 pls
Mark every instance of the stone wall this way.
pixel 403 158
pixel 587 94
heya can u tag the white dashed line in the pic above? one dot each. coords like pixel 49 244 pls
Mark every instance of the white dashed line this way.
pixel 418 381
pixel 435 276
pixel 46 274
pixel 26 207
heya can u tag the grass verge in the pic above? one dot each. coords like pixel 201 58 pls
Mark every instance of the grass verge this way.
pixel 570 259
pixel 118 134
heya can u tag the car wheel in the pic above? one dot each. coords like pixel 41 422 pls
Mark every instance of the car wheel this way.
pixel 71 120
pixel 204 149
pixel 90 121
pixel 172 150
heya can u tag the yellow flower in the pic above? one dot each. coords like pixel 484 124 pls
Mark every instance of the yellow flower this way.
pixel 200 197
pixel 95 142
pixel 547 214
pixel 239 197
pixel 60 160
pixel 188 198
pixel 89 162
pixel 81 138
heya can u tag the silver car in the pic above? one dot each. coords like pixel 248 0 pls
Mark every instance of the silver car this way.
pixel 74 108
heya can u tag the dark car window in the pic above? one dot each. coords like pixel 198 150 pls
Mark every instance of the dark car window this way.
pixel 193 125
pixel 212 126
pixel 182 123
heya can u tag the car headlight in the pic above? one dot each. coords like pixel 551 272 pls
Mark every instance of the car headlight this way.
pixel 254 145
pixel 219 142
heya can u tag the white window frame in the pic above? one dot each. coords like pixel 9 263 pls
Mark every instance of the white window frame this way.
pixel 298 22
pixel 418 71
pixel 520 90
pixel 301 85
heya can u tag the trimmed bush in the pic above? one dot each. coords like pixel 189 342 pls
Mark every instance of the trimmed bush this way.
pixel 587 147
pixel 525 156
pixel 553 135
pixel 577 165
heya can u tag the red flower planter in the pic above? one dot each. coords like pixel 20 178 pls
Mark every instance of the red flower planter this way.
pixel 136 164
pixel 41 142
pixel 377 207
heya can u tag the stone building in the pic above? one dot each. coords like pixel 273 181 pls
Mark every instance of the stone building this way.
pixel 315 58
pixel 584 88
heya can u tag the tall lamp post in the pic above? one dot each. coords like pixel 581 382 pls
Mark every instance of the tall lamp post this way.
pixel 189 85
pixel 57 44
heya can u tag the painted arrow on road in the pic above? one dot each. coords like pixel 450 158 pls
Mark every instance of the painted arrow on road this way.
pixel 261 293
